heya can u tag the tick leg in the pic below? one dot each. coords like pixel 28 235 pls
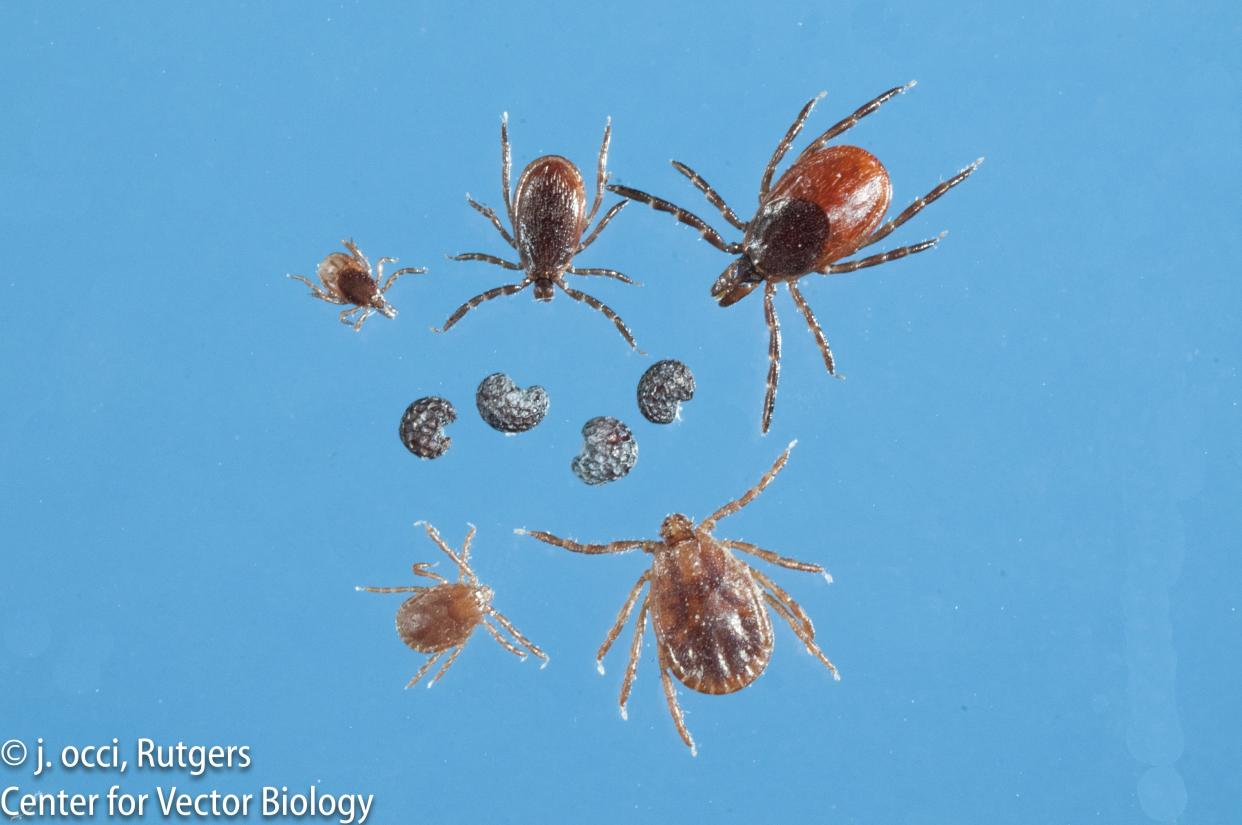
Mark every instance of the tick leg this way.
pixel 595 303
pixel 607 273
pixel 505 164
pixel 366 313
pixel 914 208
pixel 670 694
pixel 505 643
pixel 447 663
pixel 820 339
pixel 599 227
pixel 622 617
pixel 881 258
pixel 601 176
pixel 708 192
pixel 489 259
pixel 465 545
pixel 422 671
pixel 783 146
pixel 486 211
pixel 593 549
pixel 407 270
pixel 527 643
pixel 774 558
pixel 434 535
pixel 316 291
pixel 806 634
pixel 786 600
pixel 750 495
pixel 636 647
pixel 859 113
pixel 509 289
pixel 345 313
pixel 774 354
pixel 424 569
pixel 357 253
pixel 689 218
pixel 407 589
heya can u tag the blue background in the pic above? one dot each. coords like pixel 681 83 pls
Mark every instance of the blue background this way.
pixel 1026 488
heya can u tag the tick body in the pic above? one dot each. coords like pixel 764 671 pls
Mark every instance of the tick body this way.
pixel 828 205
pixel 439 620
pixel 709 608
pixel 549 215
pixel 348 280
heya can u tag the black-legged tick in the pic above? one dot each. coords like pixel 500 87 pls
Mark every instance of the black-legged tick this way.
pixel 440 619
pixel 348 281
pixel 548 214
pixel 709 609
pixel 827 206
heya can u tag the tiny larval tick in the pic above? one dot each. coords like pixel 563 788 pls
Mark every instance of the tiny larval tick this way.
pixel 440 619
pixel 549 217
pixel 348 281
pixel 708 608
pixel 827 206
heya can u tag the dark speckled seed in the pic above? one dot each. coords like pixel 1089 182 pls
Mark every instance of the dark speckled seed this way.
pixel 609 451
pixel 507 407
pixel 422 427
pixel 661 389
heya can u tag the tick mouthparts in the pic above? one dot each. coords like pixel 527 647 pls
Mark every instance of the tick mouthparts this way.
pixel 388 311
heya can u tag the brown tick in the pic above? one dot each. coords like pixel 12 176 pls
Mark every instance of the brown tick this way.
pixel 548 214
pixel 708 608
pixel 440 619
pixel 828 205
pixel 348 280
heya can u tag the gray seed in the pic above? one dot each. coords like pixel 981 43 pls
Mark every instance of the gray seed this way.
pixel 609 451
pixel 661 389
pixel 507 407
pixel 421 427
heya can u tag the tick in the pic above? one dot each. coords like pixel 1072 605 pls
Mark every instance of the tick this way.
pixel 708 608
pixel 439 619
pixel 348 281
pixel 827 206
pixel 549 217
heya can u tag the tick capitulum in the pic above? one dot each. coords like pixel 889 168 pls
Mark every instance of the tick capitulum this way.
pixel 348 280
pixel 549 217
pixel 827 206
pixel 439 619
pixel 708 608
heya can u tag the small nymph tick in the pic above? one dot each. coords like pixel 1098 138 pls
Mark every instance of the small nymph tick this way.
pixel 348 280
pixel 549 217
pixel 440 619
pixel 828 205
pixel 709 609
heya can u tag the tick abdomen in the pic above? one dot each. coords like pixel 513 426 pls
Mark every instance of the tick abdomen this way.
pixel 549 211
pixel 710 616
pixel 850 187
pixel 439 618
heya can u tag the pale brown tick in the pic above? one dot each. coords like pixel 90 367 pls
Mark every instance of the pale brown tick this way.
pixel 709 609
pixel 348 280
pixel 440 619
pixel 549 217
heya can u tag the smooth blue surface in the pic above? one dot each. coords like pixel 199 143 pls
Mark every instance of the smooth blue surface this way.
pixel 1027 487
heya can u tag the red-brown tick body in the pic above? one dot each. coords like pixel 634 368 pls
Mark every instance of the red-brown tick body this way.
pixel 828 205
pixel 549 216
pixel 708 608
pixel 440 619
